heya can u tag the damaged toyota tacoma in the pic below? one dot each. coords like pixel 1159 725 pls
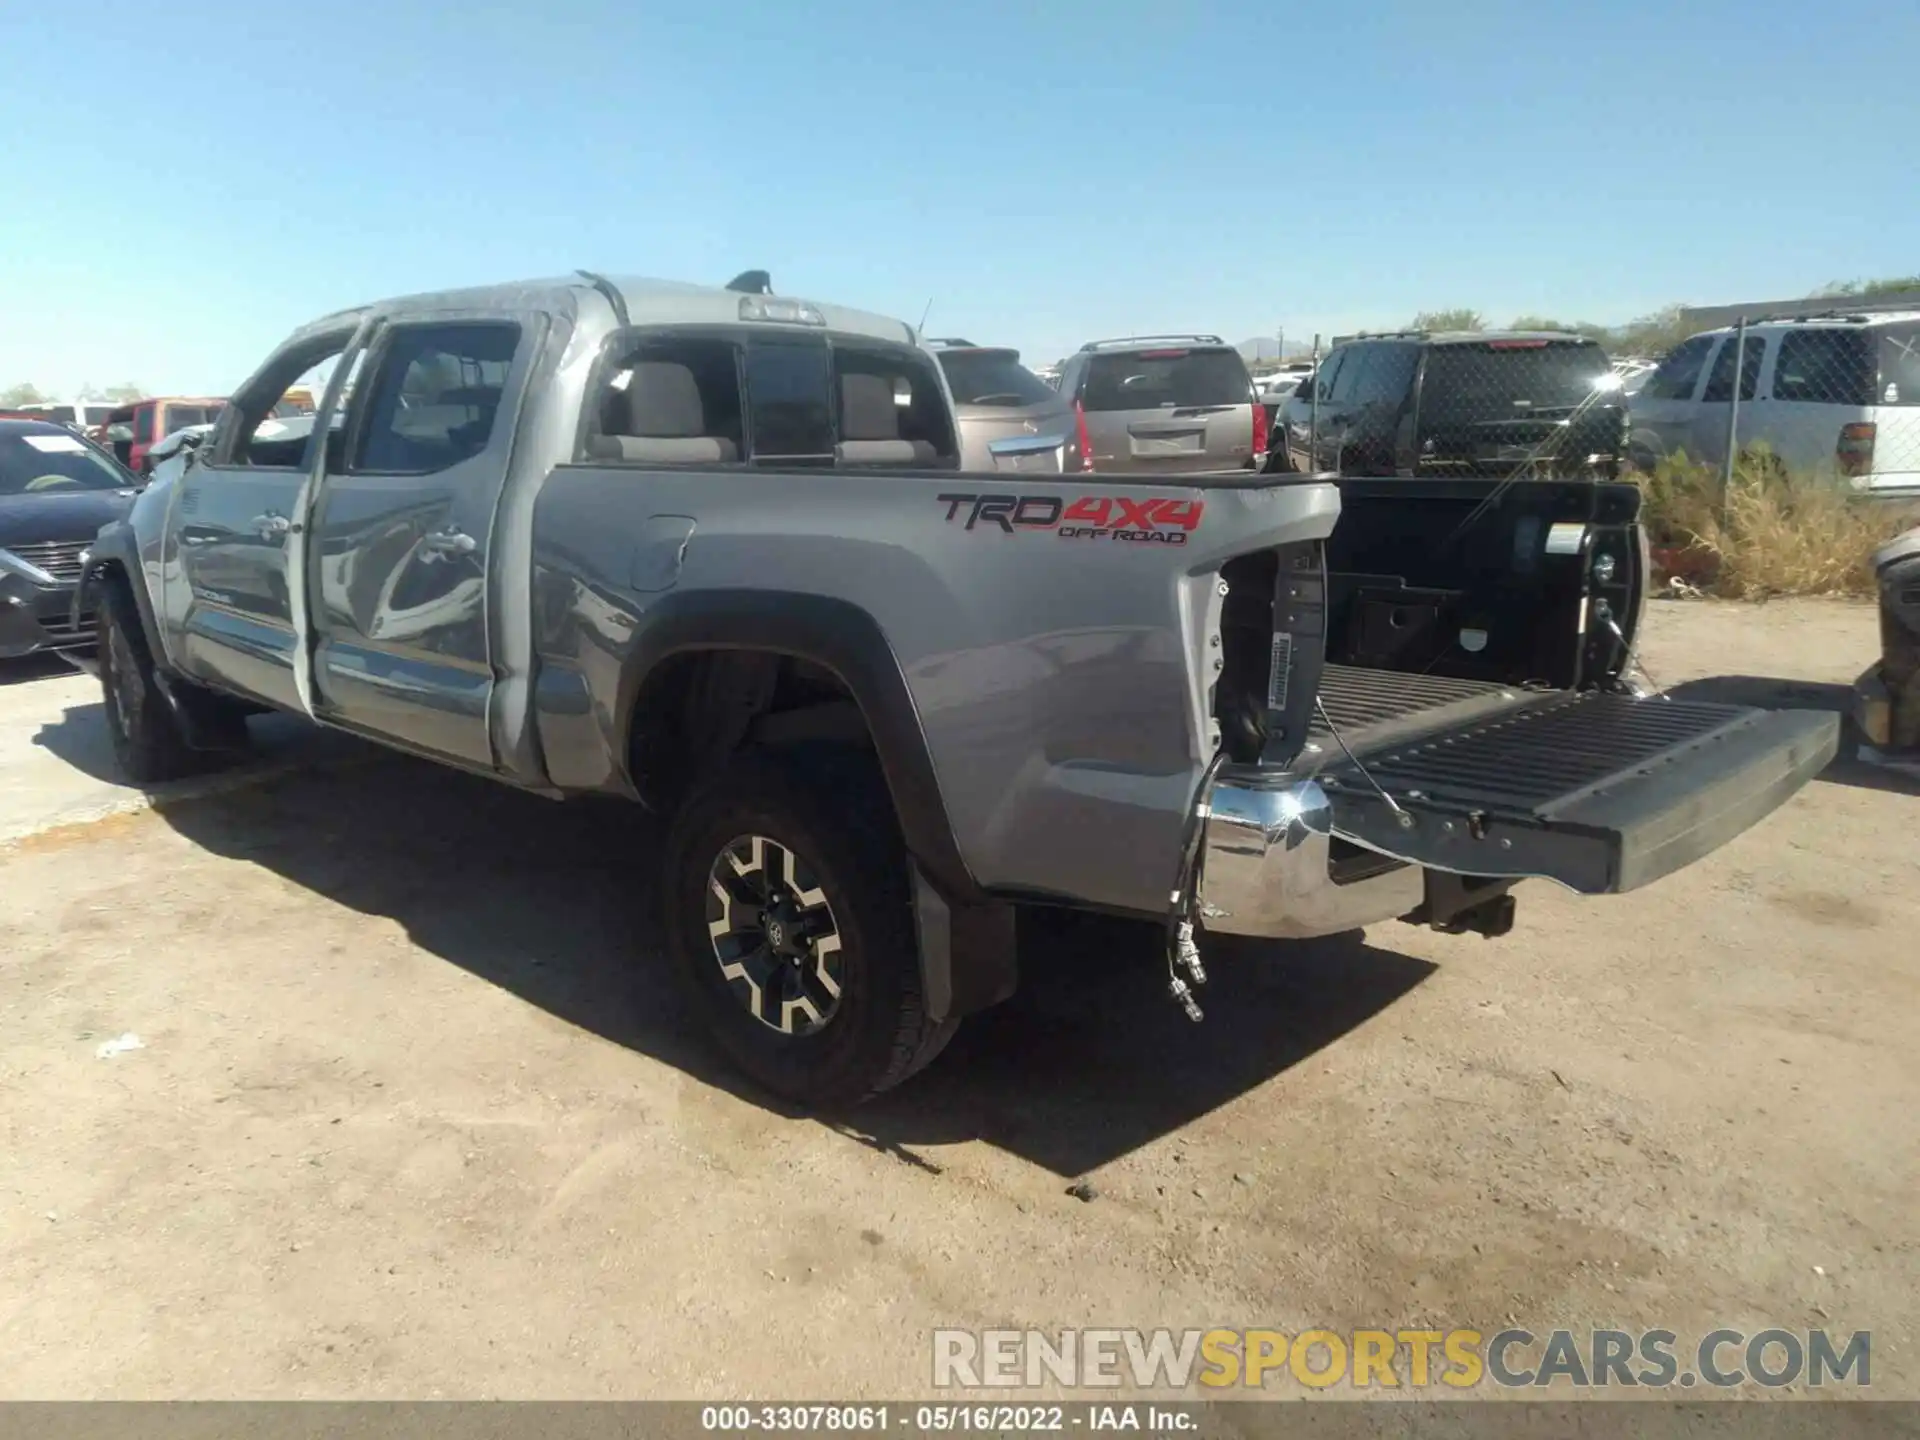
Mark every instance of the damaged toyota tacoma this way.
pixel 712 550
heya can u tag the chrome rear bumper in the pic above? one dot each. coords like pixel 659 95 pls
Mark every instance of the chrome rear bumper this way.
pixel 1266 866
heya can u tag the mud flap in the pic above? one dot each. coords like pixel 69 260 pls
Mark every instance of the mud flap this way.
pixel 1602 793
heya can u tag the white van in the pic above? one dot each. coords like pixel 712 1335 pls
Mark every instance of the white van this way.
pixel 1830 394
pixel 82 415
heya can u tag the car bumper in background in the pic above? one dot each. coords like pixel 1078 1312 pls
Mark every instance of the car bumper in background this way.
pixel 39 617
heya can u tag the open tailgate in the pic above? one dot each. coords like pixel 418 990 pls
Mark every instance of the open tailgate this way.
pixel 1603 793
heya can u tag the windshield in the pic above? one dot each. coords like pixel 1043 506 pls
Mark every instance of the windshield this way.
pixel 1156 379
pixel 51 461
pixel 1500 378
pixel 992 377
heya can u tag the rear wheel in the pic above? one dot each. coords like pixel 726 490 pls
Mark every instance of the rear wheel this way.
pixel 790 922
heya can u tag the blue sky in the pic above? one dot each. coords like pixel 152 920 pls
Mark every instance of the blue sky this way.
pixel 1045 173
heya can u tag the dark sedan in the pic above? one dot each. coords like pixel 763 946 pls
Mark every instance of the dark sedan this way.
pixel 56 491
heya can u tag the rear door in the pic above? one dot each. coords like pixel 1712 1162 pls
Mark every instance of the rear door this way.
pixel 1488 408
pixel 402 528
pixel 1663 408
pixel 1169 409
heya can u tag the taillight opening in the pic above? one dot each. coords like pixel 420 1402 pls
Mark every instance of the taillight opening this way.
pixel 1259 433
pixel 1081 438
pixel 1854 450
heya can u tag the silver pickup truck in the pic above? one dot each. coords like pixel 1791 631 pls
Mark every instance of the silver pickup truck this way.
pixel 711 549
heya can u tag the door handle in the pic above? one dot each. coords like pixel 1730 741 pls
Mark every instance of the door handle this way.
pixel 270 526
pixel 448 542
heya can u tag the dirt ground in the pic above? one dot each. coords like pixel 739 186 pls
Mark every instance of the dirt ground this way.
pixel 412 1118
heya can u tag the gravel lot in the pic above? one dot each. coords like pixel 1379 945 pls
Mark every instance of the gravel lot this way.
pixel 412 1118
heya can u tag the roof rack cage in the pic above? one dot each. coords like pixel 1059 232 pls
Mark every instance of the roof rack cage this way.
pixel 1128 341
pixel 1388 335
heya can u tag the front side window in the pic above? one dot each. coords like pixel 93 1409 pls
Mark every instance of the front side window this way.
pixel 1675 377
pixel 143 424
pixel 435 396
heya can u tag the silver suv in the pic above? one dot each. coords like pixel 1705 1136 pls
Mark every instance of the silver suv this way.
pixel 1829 394
pixel 1010 419
pixel 1170 404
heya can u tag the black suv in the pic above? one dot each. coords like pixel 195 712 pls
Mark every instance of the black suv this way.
pixel 1471 403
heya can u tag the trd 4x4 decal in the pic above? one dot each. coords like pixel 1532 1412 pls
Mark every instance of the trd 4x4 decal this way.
pixel 1154 520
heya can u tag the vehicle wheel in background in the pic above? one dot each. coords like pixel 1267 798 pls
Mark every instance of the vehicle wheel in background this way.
pixel 790 923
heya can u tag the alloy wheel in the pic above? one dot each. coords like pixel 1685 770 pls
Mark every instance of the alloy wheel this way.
pixel 774 935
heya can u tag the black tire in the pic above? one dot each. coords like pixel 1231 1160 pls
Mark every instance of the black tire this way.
pixel 147 739
pixel 846 847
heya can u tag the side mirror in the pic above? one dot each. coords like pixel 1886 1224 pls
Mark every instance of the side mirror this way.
pixel 119 434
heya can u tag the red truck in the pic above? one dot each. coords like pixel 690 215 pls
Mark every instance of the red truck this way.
pixel 131 430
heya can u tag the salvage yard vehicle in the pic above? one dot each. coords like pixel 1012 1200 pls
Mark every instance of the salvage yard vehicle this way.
pixel 1165 405
pixel 713 550
pixel 56 490
pixel 1010 419
pixel 1457 403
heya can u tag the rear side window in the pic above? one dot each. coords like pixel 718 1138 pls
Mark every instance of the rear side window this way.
pixel 1676 376
pixel 1380 374
pixel 1825 367
pixel 1900 365
pixel 435 397
pixel 992 377
pixel 143 424
pixel 1162 379
pixel 720 398
pixel 1720 381
pixel 1498 378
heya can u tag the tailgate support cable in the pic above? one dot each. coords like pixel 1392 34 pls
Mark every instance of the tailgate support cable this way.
pixel 1406 820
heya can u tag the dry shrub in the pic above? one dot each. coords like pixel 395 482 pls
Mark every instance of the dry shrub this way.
pixel 1773 531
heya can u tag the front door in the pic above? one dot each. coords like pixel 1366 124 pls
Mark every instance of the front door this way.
pixel 229 529
pixel 1664 410
pixel 397 563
